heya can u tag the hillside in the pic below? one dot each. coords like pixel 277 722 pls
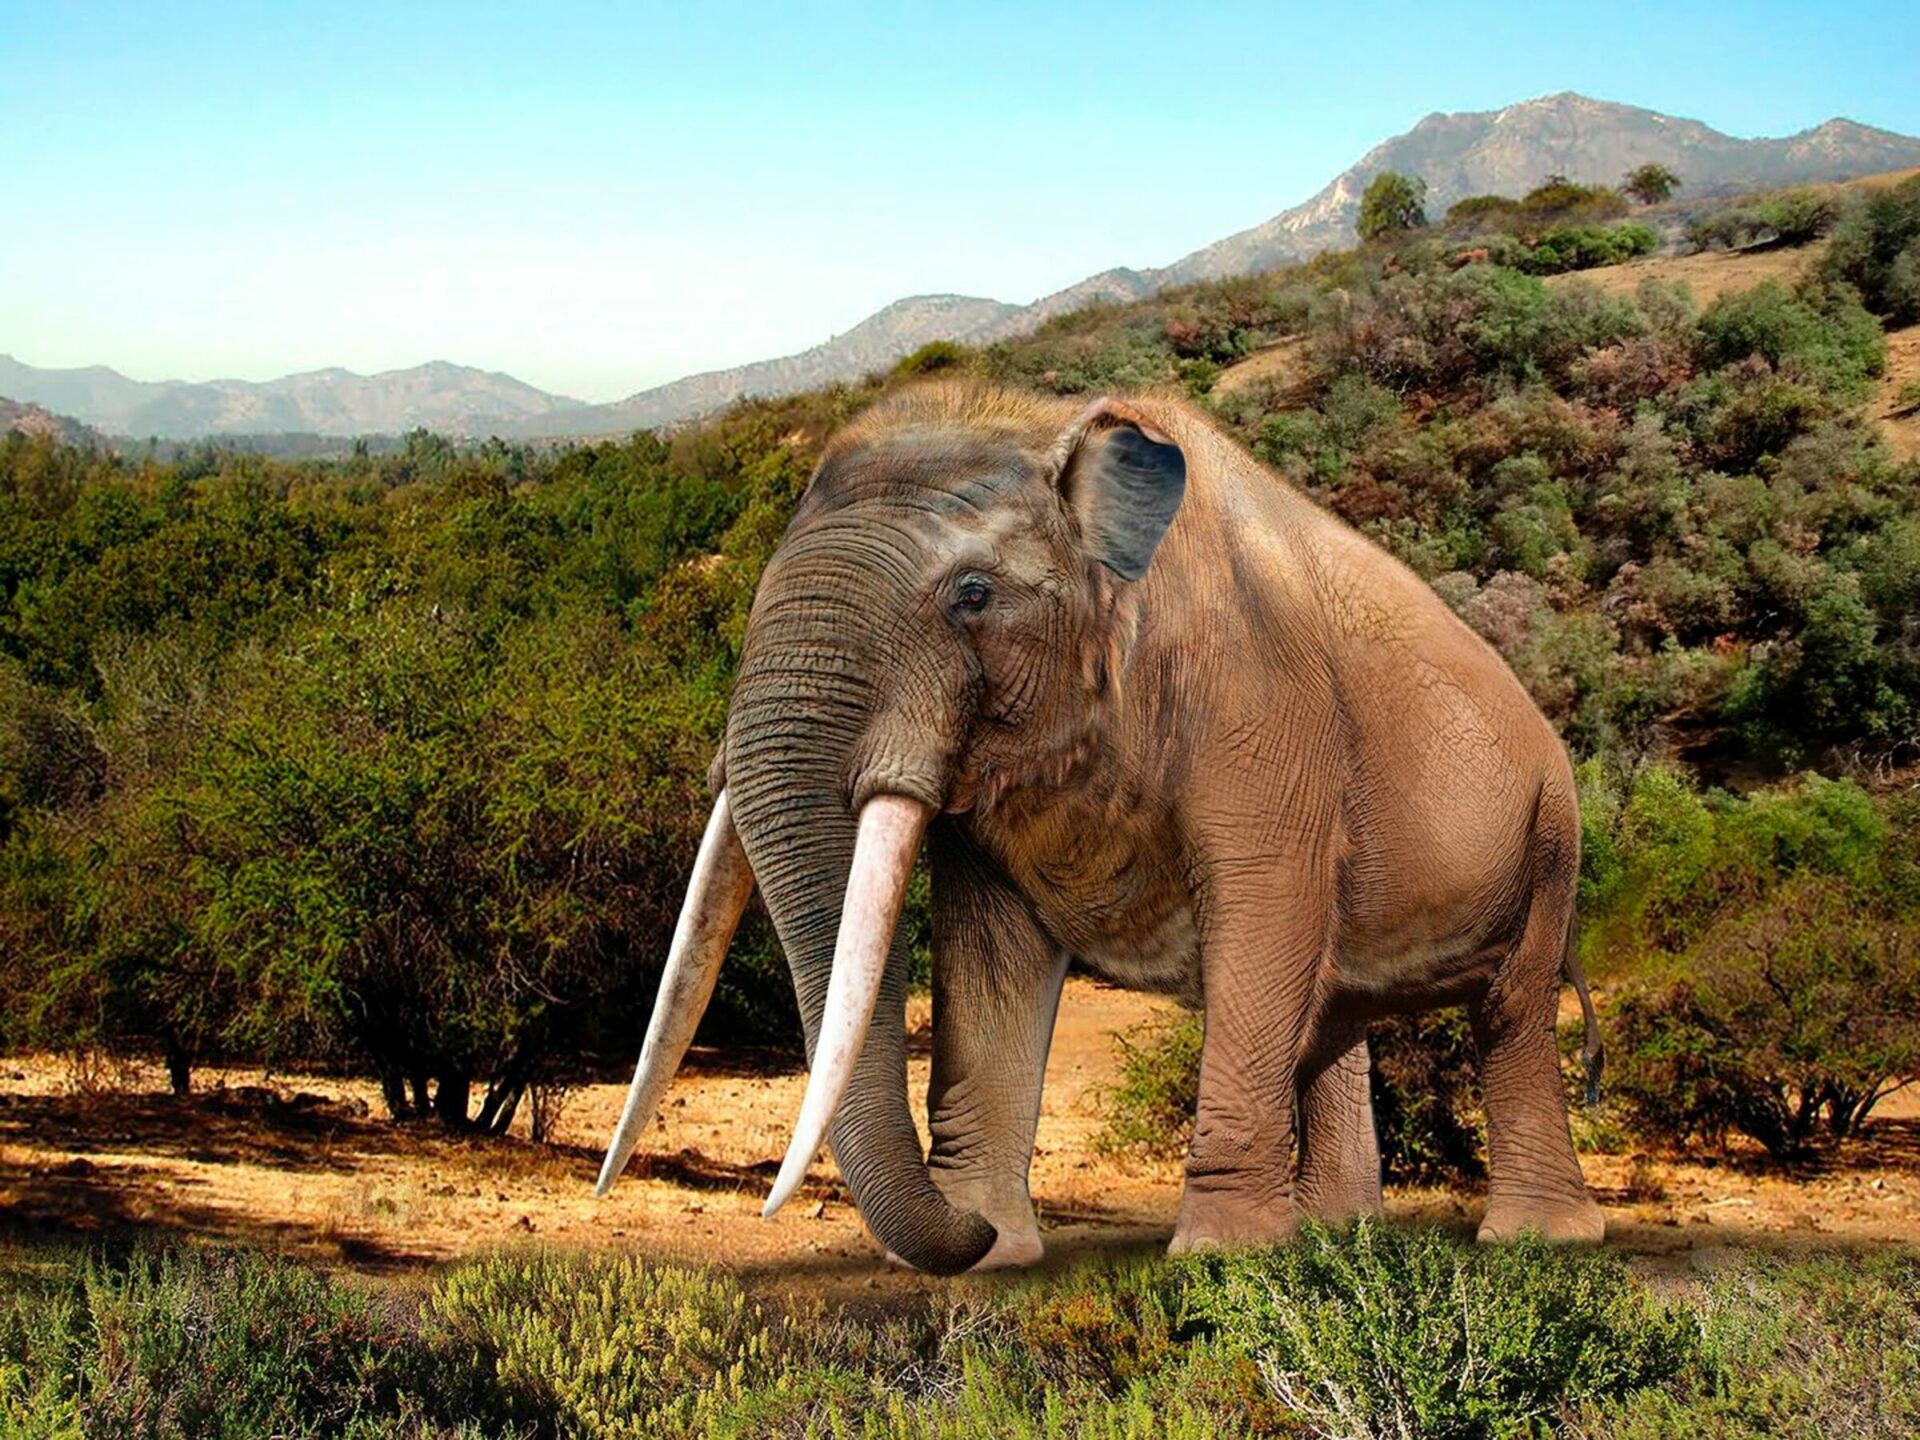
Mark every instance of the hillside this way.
pixel 452 399
pixel 28 419
pixel 877 341
pixel 1504 152
pixel 1508 151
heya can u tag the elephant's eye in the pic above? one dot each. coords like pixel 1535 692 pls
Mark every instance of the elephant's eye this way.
pixel 971 595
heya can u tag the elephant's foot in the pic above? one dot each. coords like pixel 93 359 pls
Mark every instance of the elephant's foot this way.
pixel 1225 1219
pixel 1575 1220
pixel 1008 1208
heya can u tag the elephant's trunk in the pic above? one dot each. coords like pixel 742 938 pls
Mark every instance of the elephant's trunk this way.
pixel 800 708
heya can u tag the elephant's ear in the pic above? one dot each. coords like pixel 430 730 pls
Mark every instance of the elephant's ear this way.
pixel 1122 479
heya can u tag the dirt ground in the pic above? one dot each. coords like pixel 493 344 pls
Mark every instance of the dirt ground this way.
pixel 309 1165
pixel 1900 422
pixel 1708 276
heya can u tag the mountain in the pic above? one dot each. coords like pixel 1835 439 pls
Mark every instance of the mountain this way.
pixel 453 399
pixel 31 419
pixel 1506 152
pixel 1509 151
pixel 878 341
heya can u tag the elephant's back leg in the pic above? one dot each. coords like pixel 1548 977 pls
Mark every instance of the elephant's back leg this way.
pixel 1339 1144
pixel 1535 1181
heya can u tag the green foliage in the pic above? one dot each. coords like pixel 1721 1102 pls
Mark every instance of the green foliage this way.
pixel 1391 205
pixel 1823 337
pixel 608 1347
pixel 1150 1110
pixel 1786 217
pixel 1650 184
pixel 1876 249
pixel 191 1346
pixel 1578 247
pixel 1558 200
pixel 1378 1331
pixel 1781 1017
pixel 1804 1347
pixel 1478 211
pixel 1356 1332
pixel 931 358
pixel 1783 954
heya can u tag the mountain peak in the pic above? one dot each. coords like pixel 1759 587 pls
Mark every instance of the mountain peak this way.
pixel 1510 150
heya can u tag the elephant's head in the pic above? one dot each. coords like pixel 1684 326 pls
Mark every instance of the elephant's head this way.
pixel 935 627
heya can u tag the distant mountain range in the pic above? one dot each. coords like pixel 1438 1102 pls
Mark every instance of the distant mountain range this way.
pixel 453 399
pixel 1506 151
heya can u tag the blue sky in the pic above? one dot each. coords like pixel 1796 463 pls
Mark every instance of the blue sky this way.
pixel 598 198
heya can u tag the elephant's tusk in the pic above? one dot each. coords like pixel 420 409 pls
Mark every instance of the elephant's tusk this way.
pixel 883 855
pixel 716 897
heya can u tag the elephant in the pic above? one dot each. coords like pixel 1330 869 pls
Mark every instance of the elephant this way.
pixel 1149 707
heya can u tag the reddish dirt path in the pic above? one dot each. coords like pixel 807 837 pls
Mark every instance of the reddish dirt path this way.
pixel 324 1178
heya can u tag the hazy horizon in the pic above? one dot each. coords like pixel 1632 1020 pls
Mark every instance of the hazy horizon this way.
pixel 598 200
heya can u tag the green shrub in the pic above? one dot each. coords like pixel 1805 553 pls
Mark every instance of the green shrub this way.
pixel 1579 247
pixel 1378 1331
pixel 1823 337
pixel 1790 1013
pixel 191 1346
pixel 1786 217
pixel 608 1346
pixel 1650 184
pixel 1876 250
pixel 1804 1347
pixel 932 358
pixel 1663 862
pixel 1391 205
pixel 1150 1108
pixel 1480 211
pixel 1559 200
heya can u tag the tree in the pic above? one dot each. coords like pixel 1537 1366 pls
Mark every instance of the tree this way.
pixel 1651 183
pixel 1392 204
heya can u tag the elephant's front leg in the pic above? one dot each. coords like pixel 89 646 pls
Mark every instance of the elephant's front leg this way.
pixel 1261 960
pixel 996 989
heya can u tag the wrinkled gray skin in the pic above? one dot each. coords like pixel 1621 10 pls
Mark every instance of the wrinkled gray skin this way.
pixel 1183 725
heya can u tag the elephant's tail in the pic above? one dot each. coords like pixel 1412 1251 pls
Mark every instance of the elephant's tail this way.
pixel 1593 1054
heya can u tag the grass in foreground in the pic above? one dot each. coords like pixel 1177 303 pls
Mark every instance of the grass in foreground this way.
pixel 1362 1332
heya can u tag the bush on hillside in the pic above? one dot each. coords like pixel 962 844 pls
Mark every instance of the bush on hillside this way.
pixel 1770 945
pixel 1787 217
pixel 1820 336
pixel 1577 247
pixel 1877 251
pixel 1558 200
pixel 1391 205
pixel 1650 184
pixel 1480 212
